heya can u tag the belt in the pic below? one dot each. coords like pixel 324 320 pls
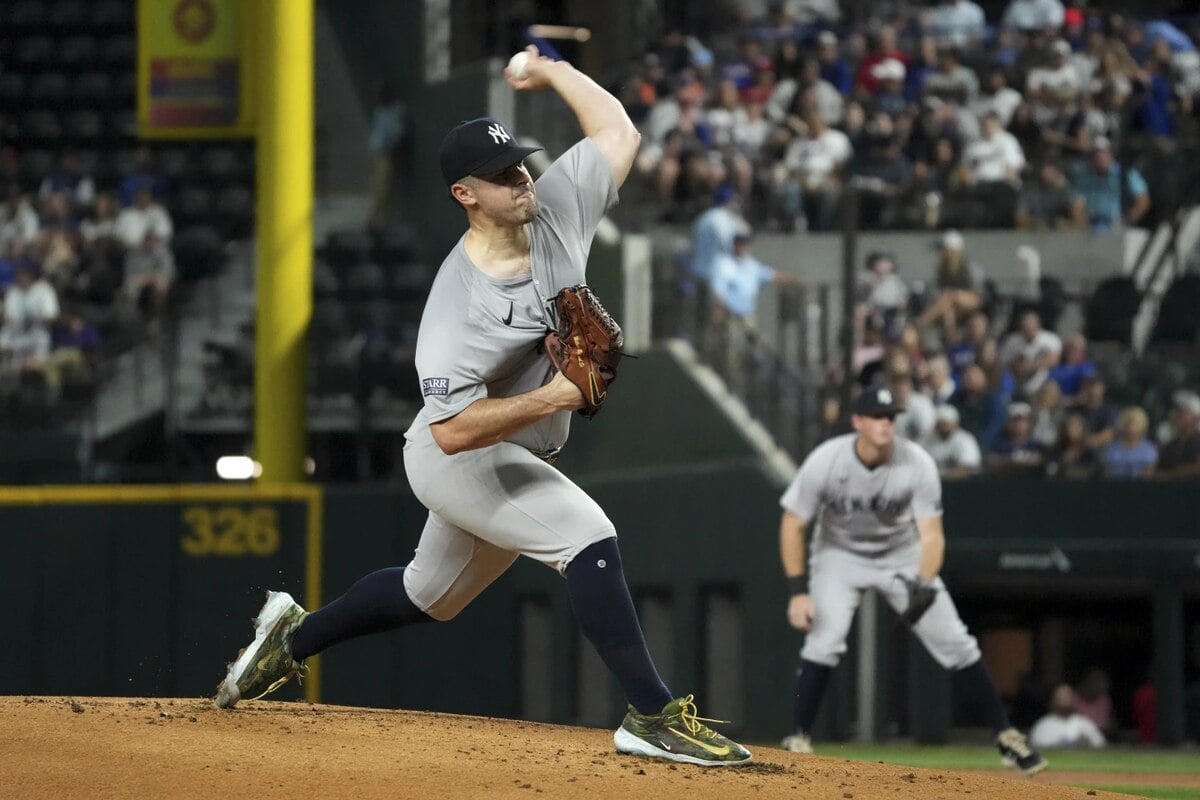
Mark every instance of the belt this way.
pixel 549 456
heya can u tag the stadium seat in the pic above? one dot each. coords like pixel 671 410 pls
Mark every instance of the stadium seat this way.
pixel 49 90
pixel 77 51
pixel 365 280
pixel 325 280
pixel 35 165
pixel 68 14
pixel 395 247
pixel 1111 309
pixel 42 127
pixel 177 163
pixel 83 127
pixel 235 211
pixel 410 281
pixel 1179 313
pixel 344 249
pixel 28 13
pixel 118 51
pixel 32 51
pixel 92 90
pixel 13 94
pixel 193 205
pixel 199 252
pixel 110 15
pixel 123 125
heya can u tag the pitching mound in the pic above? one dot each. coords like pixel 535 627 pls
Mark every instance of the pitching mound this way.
pixel 120 748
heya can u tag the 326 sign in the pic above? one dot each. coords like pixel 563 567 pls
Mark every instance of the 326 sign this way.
pixel 230 531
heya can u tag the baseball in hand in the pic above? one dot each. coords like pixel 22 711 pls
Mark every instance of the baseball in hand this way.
pixel 517 64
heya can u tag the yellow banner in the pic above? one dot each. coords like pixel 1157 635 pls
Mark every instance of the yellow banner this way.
pixel 194 71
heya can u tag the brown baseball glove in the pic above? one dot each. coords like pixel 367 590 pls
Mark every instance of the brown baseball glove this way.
pixel 586 348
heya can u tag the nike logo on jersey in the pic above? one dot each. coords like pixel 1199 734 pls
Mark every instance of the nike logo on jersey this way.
pixel 508 320
pixel 723 750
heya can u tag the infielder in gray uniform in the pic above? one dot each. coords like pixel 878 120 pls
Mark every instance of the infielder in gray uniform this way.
pixel 878 501
pixel 496 412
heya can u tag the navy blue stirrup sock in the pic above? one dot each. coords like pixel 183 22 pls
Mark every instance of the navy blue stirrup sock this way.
pixel 604 610
pixel 979 684
pixel 811 680
pixel 376 602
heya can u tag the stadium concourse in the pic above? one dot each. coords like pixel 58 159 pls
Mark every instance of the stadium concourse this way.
pixel 187 748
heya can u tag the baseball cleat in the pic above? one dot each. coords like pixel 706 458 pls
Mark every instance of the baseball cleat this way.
pixel 1016 752
pixel 797 743
pixel 267 663
pixel 678 734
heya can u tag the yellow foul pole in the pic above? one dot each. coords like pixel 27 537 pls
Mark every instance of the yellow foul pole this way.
pixel 284 66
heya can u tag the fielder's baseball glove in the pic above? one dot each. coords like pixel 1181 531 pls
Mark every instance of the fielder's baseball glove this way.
pixel 921 594
pixel 586 348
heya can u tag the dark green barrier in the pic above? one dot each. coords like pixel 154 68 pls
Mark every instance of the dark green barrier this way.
pixel 142 590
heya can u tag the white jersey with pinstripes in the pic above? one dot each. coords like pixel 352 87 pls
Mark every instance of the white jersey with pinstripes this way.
pixel 865 510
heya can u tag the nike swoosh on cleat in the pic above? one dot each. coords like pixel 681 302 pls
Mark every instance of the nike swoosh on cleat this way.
pixel 508 320
pixel 723 750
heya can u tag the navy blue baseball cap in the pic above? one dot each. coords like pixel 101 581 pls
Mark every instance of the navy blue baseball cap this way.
pixel 481 146
pixel 877 401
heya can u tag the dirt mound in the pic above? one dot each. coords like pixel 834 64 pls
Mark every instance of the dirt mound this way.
pixel 101 748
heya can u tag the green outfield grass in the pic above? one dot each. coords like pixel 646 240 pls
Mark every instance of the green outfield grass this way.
pixel 1116 759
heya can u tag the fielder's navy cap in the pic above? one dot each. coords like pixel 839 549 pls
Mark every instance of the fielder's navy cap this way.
pixel 480 147
pixel 877 401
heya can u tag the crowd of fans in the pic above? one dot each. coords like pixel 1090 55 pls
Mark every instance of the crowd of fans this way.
pixel 70 252
pixel 941 118
pixel 1025 400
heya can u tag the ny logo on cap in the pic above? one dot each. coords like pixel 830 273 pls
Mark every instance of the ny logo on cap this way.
pixel 884 397
pixel 498 134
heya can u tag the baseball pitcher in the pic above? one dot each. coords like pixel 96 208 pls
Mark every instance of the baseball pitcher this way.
pixel 877 502
pixel 511 343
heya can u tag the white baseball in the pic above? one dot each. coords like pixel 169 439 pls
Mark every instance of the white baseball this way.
pixel 517 64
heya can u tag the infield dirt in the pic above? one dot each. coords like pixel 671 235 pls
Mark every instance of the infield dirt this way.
pixel 54 748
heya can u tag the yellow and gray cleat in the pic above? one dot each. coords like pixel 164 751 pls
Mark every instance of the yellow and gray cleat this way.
pixel 678 734
pixel 267 663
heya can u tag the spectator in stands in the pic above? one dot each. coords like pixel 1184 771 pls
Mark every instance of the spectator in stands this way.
pixel 644 89
pixel 1093 701
pixel 1016 450
pixel 1099 414
pixel 959 283
pixel 69 179
pixel 951 82
pixel 1130 454
pixel 1028 131
pixel 738 277
pixel 714 230
pixel 56 213
pixel 1048 412
pixel 1145 712
pixel 722 119
pixel 30 306
pixel 999 97
pixel 883 47
pixel 1098 192
pixel 883 295
pixel 1030 353
pixel 61 261
pixel 954 450
pixel 149 274
pixel 15 257
pixel 1044 203
pixel 964 349
pixel 833 68
pixel 389 127
pixel 1074 368
pixel 917 420
pixel 75 344
pixel 1053 90
pixel 18 219
pixel 1063 727
pixel 939 384
pixel 881 172
pixel 958 22
pixel 812 180
pixel 794 98
pixel 889 98
pixel 1034 15
pixel 145 176
pixel 102 222
pixel 144 217
pixel 1180 455
pixel 1071 458
pixel 994 162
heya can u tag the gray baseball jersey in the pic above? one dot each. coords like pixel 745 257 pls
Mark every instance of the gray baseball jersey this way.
pixel 480 337
pixel 864 510
pixel 865 535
